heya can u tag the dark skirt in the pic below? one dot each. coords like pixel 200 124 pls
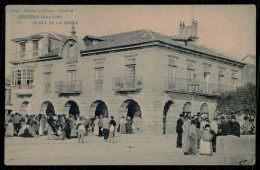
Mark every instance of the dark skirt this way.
pixel 179 140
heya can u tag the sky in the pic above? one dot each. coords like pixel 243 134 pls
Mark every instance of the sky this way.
pixel 227 28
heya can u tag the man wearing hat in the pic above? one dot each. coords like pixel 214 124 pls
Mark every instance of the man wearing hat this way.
pixel 224 129
pixel 247 128
pixel 234 126
pixel 179 131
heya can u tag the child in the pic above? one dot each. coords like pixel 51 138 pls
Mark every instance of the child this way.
pixel 81 133
pixel 112 124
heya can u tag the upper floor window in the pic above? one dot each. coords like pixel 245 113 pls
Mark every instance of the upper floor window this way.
pixel 171 68
pixel 22 49
pixel 35 48
pixel 220 76
pixel 99 78
pixel 191 75
pixel 22 77
pixel 99 74
pixel 71 77
pixel 234 79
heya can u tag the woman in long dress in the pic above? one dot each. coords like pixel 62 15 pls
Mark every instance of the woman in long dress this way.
pixel 122 122
pixel 51 135
pixel 185 136
pixel 10 128
pixel 96 129
pixel 41 126
pixel 206 141
pixel 73 133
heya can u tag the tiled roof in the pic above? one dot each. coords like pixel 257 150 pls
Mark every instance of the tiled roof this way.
pixel 145 36
pixel 54 52
pixel 40 35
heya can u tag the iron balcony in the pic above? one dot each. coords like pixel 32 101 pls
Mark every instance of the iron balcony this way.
pixel 174 84
pixel 127 83
pixel 65 87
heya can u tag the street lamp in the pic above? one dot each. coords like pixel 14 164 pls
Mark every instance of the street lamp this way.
pixel 193 87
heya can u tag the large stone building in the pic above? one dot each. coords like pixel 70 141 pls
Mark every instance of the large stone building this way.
pixel 138 73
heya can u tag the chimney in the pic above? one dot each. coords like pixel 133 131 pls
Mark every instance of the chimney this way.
pixel 189 31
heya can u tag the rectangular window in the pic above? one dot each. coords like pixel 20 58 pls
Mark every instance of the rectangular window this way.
pixel 190 71
pixel 99 79
pixel 47 78
pixel 171 71
pixel 22 49
pixel 10 96
pixel 30 77
pixel 35 48
pixel 24 77
pixel 99 74
pixel 13 78
pixel 130 73
pixel 72 77
pixel 18 77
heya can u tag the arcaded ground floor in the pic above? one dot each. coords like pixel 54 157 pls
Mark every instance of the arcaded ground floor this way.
pixel 127 150
pixel 156 111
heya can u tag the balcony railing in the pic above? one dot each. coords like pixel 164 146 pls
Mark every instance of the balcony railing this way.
pixel 25 54
pixel 186 85
pixel 23 89
pixel 64 87
pixel 128 83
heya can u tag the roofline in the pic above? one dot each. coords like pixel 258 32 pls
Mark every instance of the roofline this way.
pixel 26 38
pixel 175 47
pixel 154 43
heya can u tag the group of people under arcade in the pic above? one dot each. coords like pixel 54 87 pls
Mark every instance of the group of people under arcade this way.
pixel 60 127
pixel 196 134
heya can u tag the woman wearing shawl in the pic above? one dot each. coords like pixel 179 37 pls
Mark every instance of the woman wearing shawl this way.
pixel 96 129
pixel 73 133
pixel 185 138
pixel 122 122
pixel 10 128
pixel 206 141
pixel 51 135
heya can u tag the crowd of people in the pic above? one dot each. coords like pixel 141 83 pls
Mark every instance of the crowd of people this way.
pixel 64 126
pixel 196 134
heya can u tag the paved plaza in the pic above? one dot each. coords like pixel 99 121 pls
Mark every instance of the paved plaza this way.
pixel 127 150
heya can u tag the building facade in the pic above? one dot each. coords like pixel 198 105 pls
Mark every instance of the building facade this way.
pixel 138 74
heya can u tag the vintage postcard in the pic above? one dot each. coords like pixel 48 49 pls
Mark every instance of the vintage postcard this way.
pixel 130 85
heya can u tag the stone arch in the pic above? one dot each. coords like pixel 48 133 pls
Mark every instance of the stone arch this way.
pixel 130 108
pixel 24 107
pixel 204 110
pixel 169 119
pixel 98 108
pixel 47 108
pixel 187 107
pixel 71 107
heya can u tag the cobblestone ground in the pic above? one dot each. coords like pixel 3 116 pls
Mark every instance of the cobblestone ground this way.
pixel 127 150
